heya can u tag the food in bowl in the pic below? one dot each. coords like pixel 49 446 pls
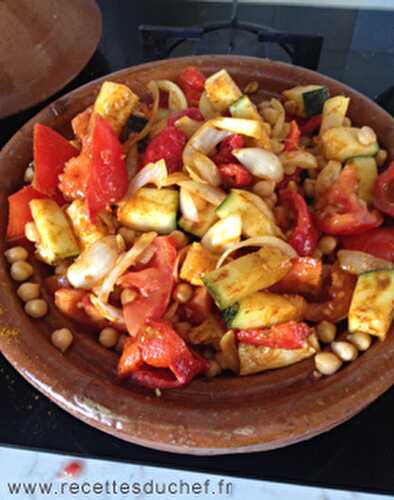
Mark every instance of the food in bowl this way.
pixel 197 232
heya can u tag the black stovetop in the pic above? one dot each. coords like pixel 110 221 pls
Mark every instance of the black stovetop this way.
pixel 358 49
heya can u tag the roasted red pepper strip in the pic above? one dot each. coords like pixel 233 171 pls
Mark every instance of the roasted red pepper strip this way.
pixel 225 155
pixel 336 307
pixel 51 152
pixel 311 125
pixel 19 213
pixel 304 235
pixel 293 138
pixel 383 191
pixel 193 113
pixel 159 346
pixel 305 278
pixel 167 145
pixel 192 81
pixel 289 335
pixel 378 242
pixel 235 175
pixel 341 212
pixel 108 180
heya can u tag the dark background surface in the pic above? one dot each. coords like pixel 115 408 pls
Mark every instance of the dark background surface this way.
pixel 358 50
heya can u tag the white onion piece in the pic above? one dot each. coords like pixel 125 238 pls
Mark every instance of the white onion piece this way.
pixel 132 161
pixel 223 233
pixel 260 163
pixel 204 140
pixel 327 176
pixel 154 90
pixel 187 125
pixel 123 262
pixel 153 173
pixel 355 262
pixel 244 126
pixel 259 241
pixel 203 169
pixel 111 313
pixel 176 98
pixel 179 260
pixel 94 263
pixel 175 179
pixel 187 205
pixel 206 108
pixel 211 194
pixel 162 113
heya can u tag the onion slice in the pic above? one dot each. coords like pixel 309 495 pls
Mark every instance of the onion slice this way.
pixel 355 262
pixel 206 108
pixel 179 260
pixel 223 233
pixel 211 194
pixel 123 262
pixel 153 173
pixel 111 313
pixel 259 241
pixel 203 169
pixel 260 163
pixel 188 206
pixel 176 99
pixel 188 125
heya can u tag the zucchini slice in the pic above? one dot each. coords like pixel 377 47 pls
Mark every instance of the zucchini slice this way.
pixel 57 241
pixel 207 218
pixel 221 90
pixel 245 275
pixel 254 221
pixel 334 112
pixel 244 108
pixel 367 172
pixel 341 144
pixel 150 209
pixel 371 310
pixel 309 98
pixel 264 309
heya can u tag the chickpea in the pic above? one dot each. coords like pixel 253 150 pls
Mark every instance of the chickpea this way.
pixel 182 327
pixel 28 291
pixel 180 239
pixel 309 187
pixel 345 350
pixel 361 340
pixel 327 244
pixel 29 175
pixel 366 135
pixel 31 232
pixel 381 157
pixel 264 188
pixel 21 270
pixel 36 308
pixel 326 331
pixel 128 295
pixel 327 363
pixel 108 337
pixel 214 369
pixel 127 234
pixel 62 339
pixel 289 169
pixel 16 253
pixel 183 293
pixel 271 200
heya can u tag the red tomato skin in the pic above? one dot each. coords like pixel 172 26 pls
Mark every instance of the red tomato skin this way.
pixel 51 152
pixel 193 113
pixel 383 191
pixel 19 213
pixel 224 155
pixel 235 175
pixel 310 125
pixel 293 138
pixel 192 81
pixel 168 146
pixel 289 335
pixel 304 278
pixel 108 174
pixel 378 242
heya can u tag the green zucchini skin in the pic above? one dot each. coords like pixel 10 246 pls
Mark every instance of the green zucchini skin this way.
pixel 314 101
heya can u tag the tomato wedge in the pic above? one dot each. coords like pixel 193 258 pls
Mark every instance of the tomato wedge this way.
pixel 384 191
pixel 305 278
pixel 108 179
pixel 235 175
pixel 225 155
pixel 158 346
pixel 155 285
pixel 310 125
pixel 292 140
pixel 192 81
pixel 168 146
pixel 51 152
pixel 289 335
pixel 377 242
pixel 339 296
pixel 341 212
pixel 19 213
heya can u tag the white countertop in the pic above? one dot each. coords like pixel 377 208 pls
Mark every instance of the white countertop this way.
pixel 30 469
